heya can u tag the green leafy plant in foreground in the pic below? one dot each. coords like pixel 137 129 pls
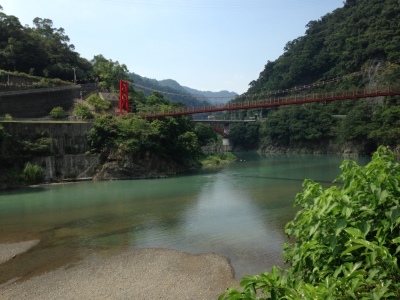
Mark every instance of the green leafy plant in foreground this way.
pixel 346 239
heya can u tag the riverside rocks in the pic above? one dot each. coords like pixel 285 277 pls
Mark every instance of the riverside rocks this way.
pixel 144 165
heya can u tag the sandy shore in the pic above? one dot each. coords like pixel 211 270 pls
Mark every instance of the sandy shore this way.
pixel 9 251
pixel 133 274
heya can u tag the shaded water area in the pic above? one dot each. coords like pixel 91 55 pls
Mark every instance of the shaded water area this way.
pixel 238 210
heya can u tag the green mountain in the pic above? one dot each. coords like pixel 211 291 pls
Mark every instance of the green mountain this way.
pixel 169 88
pixel 213 97
pixel 355 46
pixel 363 34
pixel 175 92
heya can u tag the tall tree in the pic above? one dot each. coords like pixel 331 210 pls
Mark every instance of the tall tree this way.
pixel 109 72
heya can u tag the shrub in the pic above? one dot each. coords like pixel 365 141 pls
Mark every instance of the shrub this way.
pixel 32 173
pixel 83 112
pixel 98 102
pixel 58 113
pixel 8 117
pixel 346 239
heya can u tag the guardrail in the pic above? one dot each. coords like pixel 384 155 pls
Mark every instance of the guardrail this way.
pixel 70 119
pixel 40 90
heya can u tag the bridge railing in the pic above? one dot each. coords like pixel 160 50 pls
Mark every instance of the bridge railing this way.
pixel 356 93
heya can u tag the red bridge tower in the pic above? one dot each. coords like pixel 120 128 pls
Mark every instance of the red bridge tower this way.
pixel 123 96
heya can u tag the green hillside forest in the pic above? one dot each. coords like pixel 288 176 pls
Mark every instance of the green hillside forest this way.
pixel 355 46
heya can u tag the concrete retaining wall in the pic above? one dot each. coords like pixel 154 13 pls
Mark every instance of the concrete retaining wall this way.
pixel 67 137
pixel 70 141
pixel 37 104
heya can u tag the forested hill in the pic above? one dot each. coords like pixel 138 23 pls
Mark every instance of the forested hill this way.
pixel 189 96
pixel 172 93
pixel 362 34
pixel 214 97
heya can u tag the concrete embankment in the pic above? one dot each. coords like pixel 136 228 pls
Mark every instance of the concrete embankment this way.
pixel 69 144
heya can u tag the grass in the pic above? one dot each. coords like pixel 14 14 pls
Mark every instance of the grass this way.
pixel 218 158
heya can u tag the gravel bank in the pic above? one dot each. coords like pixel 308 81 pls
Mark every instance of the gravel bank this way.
pixel 134 274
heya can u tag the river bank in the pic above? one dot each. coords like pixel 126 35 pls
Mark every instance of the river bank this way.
pixel 132 274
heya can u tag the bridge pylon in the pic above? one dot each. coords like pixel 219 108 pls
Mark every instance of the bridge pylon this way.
pixel 123 96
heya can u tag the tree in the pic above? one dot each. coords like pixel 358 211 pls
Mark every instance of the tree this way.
pixel 387 126
pixel 105 130
pixel 205 133
pixel 345 239
pixel 358 123
pixel 109 72
pixel 246 136
pixel 189 145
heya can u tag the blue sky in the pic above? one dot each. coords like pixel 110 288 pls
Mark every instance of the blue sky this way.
pixel 209 45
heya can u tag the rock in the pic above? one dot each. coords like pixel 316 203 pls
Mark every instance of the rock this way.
pixel 144 165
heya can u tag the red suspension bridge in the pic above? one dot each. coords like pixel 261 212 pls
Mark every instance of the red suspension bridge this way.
pixel 382 91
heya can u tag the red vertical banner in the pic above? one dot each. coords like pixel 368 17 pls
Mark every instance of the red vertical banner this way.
pixel 123 96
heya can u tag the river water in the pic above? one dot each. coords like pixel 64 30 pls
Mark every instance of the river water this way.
pixel 238 210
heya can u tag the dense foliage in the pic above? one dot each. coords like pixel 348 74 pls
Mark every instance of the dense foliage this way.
pixel 83 112
pixel 346 242
pixel 172 138
pixel 361 39
pixel 110 72
pixel 205 133
pixel 359 35
pixel 98 102
pixel 32 174
pixel 245 136
pixel 39 50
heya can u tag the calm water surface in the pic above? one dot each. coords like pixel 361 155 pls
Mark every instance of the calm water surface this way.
pixel 238 211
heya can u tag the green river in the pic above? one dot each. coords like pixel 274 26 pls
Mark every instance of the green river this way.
pixel 238 210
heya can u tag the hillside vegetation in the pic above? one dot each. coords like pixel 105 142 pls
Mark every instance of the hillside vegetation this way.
pixel 364 34
pixel 355 46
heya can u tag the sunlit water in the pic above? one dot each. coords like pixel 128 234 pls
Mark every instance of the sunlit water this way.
pixel 238 211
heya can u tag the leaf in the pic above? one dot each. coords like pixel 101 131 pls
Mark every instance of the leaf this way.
pixel 396 240
pixel 357 233
pixel 333 241
pixel 339 225
pixel 351 249
pixel 395 215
